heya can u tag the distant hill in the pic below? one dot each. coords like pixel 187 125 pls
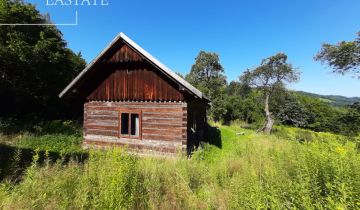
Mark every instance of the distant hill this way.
pixel 334 100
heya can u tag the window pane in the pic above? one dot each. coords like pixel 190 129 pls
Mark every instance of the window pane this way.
pixel 135 124
pixel 124 123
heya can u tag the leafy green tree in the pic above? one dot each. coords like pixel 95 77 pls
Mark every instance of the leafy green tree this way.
pixel 218 108
pixel 247 109
pixel 268 77
pixel 321 117
pixel 343 57
pixel 35 63
pixel 349 123
pixel 207 74
pixel 233 107
pixel 289 111
pixel 236 88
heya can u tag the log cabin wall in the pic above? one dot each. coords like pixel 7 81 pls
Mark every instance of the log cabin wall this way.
pixel 163 126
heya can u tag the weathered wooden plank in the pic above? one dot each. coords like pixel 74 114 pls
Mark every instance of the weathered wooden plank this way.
pixel 163 137
pixel 102 127
pixel 153 109
pixel 92 111
pixel 168 127
pixel 167 121
pixel 164 114
pixel 101 132
pixel 133 141
pixel 136 103
pixel 101 123
pixel 162 131
pixel 102 117
pixel 135 146
pixel 178 119
pixel 159 124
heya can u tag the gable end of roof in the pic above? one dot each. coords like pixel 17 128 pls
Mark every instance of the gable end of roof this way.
pixel 167 71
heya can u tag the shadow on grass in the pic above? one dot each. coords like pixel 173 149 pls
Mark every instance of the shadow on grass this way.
pixel 14 161
pixel 213 136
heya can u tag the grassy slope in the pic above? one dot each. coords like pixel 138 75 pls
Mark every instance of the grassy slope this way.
pixel 251 171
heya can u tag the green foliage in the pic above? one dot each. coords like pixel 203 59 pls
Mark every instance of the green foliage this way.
pixel 349 123
pixel 333 100
pixel 270 78
pixel 318 171
pixel 271 74
pixel 322 116
pixel 290 111
pixel 244 100
pixel 35 63
pixel 305 135
pixel 207 74
pixel 35 126
pixel 247 109
pixel 343 57
pixel 218 109
pixel 238 89
pixel 54 136
pixel 51 142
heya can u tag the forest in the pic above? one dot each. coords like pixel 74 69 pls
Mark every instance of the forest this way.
pixel 300 150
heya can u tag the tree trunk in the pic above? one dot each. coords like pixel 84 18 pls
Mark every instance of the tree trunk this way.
pixel 269 121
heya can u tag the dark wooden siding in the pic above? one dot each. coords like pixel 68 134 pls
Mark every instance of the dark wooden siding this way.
pixel 164 125
pixel 130 77
pixel 125 54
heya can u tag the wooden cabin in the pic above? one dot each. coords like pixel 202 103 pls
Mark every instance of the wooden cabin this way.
pixel 133 100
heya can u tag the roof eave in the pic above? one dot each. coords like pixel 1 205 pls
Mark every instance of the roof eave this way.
pixel 146 55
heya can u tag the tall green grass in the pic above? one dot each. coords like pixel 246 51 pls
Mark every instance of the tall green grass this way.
pixel 55 136
pixel 249 172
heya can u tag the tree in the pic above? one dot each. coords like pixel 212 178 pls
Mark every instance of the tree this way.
pixel 35 63
pixel 343 57
pixel 236 88
pixel 207 74
pixel 268 77
pixel 321 116
pixel 349 123
pixel 289 111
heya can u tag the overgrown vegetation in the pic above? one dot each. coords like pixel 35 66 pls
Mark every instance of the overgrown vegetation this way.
pixel 52 140
pixel 310 171
pixel 55 136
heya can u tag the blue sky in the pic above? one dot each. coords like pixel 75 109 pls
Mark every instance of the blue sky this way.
pixel 241 32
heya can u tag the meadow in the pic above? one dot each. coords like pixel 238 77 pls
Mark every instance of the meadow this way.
pixel 291 169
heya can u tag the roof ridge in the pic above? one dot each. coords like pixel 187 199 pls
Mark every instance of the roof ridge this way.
pixel 144 53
